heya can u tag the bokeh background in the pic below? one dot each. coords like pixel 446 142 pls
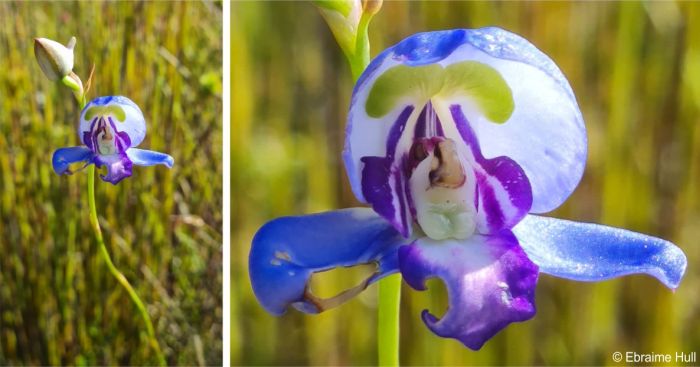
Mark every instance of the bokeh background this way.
pixel 635 69
pixel 58 302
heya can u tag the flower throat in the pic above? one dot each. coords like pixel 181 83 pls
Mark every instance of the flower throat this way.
pixel 438 181
pixel 104 138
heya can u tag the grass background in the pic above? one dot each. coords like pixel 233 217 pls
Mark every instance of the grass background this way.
pixel 58 303
pixel 635 69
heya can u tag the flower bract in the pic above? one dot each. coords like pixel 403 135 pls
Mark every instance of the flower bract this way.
pixel 110 128
pixel 455 139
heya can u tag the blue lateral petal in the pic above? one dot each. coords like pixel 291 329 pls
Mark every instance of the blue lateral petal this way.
pixel 592 252
pixel 142 157
pixel 287 251
pixel 489 279
pixel 64 157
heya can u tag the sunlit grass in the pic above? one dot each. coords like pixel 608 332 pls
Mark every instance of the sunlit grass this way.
pixel 59 304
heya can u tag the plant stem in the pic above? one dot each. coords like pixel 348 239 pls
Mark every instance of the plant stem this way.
pixel 389 287
pixel 360 58
pixel 388 320
pixel 115 272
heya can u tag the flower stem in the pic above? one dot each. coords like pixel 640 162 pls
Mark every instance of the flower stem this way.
pixel 115 272
pixel 360 58
pixel 389 287
pixel 388 320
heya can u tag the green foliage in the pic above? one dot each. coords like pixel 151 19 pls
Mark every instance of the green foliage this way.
pixel 634 70
pixel 58 302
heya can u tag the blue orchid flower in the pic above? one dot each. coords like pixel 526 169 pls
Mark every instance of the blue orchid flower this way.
pixel 110 129
pixel 455 138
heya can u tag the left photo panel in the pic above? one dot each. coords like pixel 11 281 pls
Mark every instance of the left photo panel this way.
pixel 111 183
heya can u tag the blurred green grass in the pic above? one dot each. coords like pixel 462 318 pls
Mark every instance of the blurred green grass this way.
pixel 58 303
pixel 635 69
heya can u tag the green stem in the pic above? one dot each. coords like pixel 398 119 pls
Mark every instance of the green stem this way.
pixel 389 287
pixel 115 272
pixel 388 320
pixel 360 58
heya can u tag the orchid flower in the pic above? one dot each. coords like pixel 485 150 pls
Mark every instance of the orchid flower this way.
pixel 110 128
pixel 455 138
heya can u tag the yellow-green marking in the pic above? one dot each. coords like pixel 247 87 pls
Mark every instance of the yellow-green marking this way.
pixel 482 83
pixel 113 110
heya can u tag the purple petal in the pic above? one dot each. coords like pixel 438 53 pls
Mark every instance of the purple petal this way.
pixel 118 167
pixel 505 194
pixel 383 184
pixel 64 157
pixel 384 188
pixel 287 251
pixel 490 283
pixel 592 252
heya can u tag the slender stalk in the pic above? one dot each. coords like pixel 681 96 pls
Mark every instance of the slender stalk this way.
pixel 115 272
pixel 360 58
pixel 389 287
pixel 388 320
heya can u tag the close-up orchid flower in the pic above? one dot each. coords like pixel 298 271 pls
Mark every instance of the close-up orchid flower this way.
pixel 457 139
pixel 110 128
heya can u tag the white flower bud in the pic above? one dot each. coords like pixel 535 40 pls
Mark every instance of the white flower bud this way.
pixel 55 60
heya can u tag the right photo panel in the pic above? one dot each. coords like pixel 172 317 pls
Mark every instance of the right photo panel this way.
pixel 465 183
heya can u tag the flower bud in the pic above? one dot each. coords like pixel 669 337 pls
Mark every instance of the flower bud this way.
pixel 55 60
pixel 371 7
